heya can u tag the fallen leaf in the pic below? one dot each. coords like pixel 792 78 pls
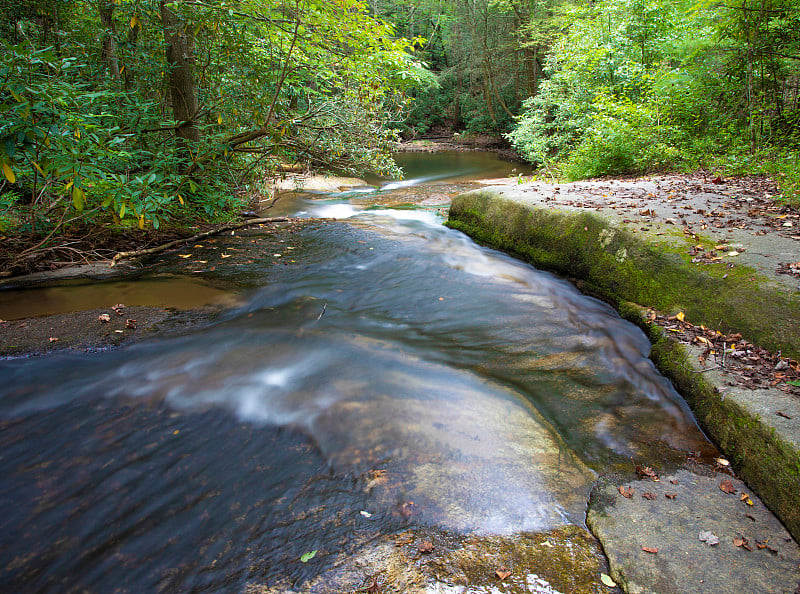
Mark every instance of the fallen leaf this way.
pixel 650 496
pixel 626 492
pixel 306 557
pixel 53 339
pixel 722 461
pixel 502 572
pixel 607 580
pixel 366 514
pixel 104 318
pixel 726 486
pixel 425 546
pixel 226 255
pixel 670 495
pixel 130 324
pixel 184 255
pixel 652 550
pixel 681 316
pixel 646 471
pixel 741 541
pixel 746 498
pixel 709 538
pixel 780 413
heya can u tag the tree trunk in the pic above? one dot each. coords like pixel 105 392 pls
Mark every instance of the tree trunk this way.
pixel 106 10
pixel 180 57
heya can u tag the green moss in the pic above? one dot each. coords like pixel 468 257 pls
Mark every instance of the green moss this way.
pixel 615 265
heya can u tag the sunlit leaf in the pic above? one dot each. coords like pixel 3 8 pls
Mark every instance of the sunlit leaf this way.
pixel 9 173
pixel 607 580
pixel 306 557
pixel 78 198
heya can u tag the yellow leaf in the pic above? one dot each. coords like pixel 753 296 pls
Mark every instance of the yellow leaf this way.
pixel 180 198
pixel 78 198
pixel 135 21
pixel 8 172
pixel 680 316
pixel 68 186
pixel 35 164
pixel 141 221
pixel 122 211
pixel 219 119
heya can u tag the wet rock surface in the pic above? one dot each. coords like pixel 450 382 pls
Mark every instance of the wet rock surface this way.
pixel 429 561
pixel 692 533
pixel 709 238
pixel 567 559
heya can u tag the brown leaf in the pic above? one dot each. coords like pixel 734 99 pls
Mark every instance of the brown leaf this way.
pixel 652 550
pixel 646 471
pixel 104 318
pixel 670 495
pixel 626 492
pixel 749 517
pixel 741 541
pixel 131 324
pixel 649 496
pixel 726 486
pixel 502 572
pixel 425 546
pixel 780 413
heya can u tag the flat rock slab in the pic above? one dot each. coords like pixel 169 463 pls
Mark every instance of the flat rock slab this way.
pixel 672 526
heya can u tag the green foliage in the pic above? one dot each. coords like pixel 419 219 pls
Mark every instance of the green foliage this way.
pixel 641 85
pixel 86 104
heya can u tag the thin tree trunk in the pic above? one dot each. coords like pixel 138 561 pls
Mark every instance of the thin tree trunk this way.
pixel 106 10
pixel 180 57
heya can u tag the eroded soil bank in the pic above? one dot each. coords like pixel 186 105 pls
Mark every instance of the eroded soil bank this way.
pixel 711 261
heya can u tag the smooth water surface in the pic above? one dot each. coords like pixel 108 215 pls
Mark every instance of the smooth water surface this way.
pixel 394 374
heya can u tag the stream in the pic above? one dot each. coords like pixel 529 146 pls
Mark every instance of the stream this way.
pixel 376 372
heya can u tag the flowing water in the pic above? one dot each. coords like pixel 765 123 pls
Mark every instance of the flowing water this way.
pixel 383 372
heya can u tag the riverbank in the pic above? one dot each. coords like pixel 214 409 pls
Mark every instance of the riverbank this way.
pixel 707 267
pixel 185 288
pixel 462 142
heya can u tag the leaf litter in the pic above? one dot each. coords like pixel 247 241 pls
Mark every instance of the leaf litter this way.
pixel 747 365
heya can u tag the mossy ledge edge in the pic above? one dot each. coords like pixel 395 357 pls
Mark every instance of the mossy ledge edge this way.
pixel 610 263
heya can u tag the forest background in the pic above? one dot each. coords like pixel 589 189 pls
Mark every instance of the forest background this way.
pixel 127 114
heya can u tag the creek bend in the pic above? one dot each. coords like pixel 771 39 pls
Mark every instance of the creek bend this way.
pixel 384 372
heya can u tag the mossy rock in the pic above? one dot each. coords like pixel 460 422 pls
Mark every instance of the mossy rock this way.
pixel 617 266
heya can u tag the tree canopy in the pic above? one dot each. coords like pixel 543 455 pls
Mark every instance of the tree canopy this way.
pixel 592 88
pixel 139 111
pixel 142 110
